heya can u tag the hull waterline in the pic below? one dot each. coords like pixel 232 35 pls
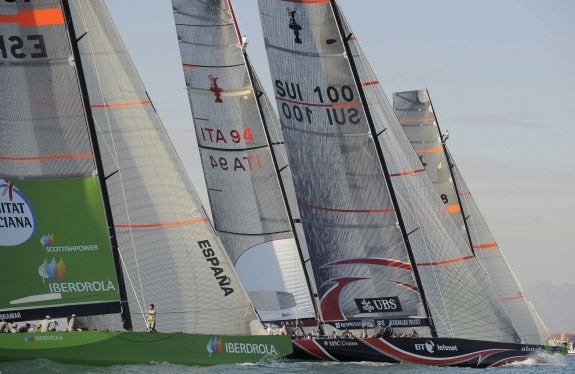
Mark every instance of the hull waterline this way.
pixel 424 351
pixel 110 348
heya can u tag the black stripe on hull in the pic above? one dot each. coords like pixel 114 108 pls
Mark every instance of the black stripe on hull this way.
pixel 423 351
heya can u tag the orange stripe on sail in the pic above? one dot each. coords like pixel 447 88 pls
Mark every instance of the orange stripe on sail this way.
pixel 446 261
pixel 44 158
pixel 407 173
pixel 430 150
pixel 455 208
pixel 371 83
pixel 485 246
pixel 40 17
pixel 404 120
pixel 512 298
pixel 117 105
pixel 156 225
pixel 190 66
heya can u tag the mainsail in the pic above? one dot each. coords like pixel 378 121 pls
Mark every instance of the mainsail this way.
pixel 54 237
pixel 417 117
pixel 240 166
pixel 376 229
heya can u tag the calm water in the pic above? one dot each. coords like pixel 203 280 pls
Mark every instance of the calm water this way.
pixel 543 364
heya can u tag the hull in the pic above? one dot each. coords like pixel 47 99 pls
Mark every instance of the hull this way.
pixel 110 348
pixel 424 351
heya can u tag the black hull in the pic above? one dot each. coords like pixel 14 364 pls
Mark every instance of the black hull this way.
pixel 424 351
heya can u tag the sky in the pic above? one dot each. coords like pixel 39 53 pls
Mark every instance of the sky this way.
pixel 501 74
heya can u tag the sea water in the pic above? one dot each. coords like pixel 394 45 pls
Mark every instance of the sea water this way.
pixel 545 363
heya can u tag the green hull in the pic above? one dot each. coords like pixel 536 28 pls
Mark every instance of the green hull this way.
pixel 109 348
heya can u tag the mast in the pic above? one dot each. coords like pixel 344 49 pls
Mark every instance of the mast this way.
pixel 126 318
pixel 450 165
pixel 276 166
pixel 383 165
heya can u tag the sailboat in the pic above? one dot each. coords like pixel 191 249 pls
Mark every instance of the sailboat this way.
pixel 242 162
pixel 415 112
pixel 384 250
pixel 97 215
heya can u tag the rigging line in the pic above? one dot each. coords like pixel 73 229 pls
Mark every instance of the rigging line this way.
pixel 114 153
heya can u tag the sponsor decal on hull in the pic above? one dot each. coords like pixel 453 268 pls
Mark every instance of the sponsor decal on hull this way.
pixel 217 345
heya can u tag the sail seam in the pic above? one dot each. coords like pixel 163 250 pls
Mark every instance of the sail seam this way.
pixel 157 225
pixel 46 158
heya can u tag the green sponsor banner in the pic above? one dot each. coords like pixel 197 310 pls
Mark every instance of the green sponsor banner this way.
pixel 54 244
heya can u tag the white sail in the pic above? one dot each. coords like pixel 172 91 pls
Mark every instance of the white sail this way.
pixel 240 167
pixel 170 254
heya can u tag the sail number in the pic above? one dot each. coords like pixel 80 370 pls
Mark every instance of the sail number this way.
pixel 246 163
pixel 337 101
pixel 13 46
pixel 219 136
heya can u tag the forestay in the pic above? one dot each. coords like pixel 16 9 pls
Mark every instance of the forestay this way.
pixel 170 254
pixel 417 117
pixel 229 110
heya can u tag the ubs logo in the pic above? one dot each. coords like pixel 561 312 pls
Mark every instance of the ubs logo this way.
pixel 428 346
pixel 379 304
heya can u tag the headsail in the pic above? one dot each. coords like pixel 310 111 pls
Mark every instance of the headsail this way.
pixel 170 253
pixel 347 204
pixel 417 116
pixel 54 236
pixel 240 167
